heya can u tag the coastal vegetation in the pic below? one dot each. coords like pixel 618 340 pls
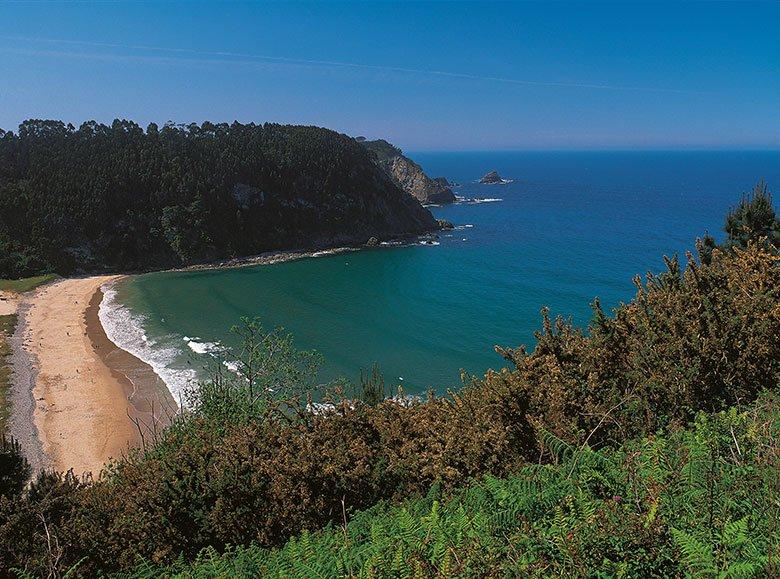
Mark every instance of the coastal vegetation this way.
pixel 693 502
pixel 646 445
pixel 121 198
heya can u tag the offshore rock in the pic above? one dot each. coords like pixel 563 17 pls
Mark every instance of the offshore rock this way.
pixel 491 178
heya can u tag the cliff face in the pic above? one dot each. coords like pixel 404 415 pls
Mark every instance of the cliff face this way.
pixel 409 175
pixel 120 198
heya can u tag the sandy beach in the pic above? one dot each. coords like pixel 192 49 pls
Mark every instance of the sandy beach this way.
pixel 86 391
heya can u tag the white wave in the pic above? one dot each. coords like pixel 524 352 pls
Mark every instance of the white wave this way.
pixel 204 347
pixel 429 242
pixel 324 252
pixel 126 330
pixel 462 227
pixel 232 365
pixel 478 200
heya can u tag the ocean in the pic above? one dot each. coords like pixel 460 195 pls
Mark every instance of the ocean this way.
pixel 568 227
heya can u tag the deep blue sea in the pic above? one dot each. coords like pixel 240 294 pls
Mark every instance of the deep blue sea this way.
pixel 569 226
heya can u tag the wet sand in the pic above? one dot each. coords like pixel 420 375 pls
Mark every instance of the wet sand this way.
pixel 151 404
pixel 92 400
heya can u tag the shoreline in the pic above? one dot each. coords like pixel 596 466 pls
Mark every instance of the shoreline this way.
pixel 78 399
pixel 151 404
pixel 284 255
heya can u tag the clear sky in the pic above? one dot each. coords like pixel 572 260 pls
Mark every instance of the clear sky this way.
pixel 439 75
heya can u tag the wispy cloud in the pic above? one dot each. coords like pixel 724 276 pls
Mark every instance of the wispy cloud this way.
pixel 196 56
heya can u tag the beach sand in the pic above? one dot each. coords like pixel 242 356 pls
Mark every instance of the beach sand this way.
pixel 86 390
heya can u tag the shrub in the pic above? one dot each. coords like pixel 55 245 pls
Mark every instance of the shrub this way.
pixel 14 468
pixel 702 339
pixel 698 502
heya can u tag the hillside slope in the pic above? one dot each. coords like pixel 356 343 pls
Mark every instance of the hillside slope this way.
pixel 120 198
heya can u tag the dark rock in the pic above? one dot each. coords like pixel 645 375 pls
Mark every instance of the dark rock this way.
pixel 372 242
pixel 247 196
pixel 491 178
pixel 444 224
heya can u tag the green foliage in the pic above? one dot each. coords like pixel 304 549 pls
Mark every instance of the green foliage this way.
pixel 269 377
pixel 14 469
pixel 754 220
pixel 702 502
pixel 371 389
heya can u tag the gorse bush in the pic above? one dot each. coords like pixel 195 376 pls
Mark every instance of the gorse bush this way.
pixel 702 502
pixel 254 460
pixel 701 339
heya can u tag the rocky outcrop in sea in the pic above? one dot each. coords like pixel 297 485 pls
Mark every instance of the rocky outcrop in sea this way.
pixel 491 178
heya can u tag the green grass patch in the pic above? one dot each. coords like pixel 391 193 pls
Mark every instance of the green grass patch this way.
pixel 26 284
pixel 7 326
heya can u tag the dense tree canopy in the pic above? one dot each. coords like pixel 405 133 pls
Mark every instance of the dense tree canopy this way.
pixel 120 198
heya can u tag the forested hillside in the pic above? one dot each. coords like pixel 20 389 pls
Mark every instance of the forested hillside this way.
pixel 117 197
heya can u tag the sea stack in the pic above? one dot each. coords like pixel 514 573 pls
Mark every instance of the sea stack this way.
pixel 491 178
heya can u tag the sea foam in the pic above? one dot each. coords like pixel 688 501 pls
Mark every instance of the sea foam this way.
pixel 203 347
pixel 478 200
pixel 126 330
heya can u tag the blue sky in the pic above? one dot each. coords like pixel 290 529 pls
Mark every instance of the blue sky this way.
pixel 446 76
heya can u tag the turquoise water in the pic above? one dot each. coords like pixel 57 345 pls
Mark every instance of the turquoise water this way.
pixel 569 227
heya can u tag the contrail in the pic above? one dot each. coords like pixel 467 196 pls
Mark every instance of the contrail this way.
pixel 248 57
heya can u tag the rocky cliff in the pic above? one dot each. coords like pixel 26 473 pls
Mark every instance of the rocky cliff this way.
pixel 409 175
